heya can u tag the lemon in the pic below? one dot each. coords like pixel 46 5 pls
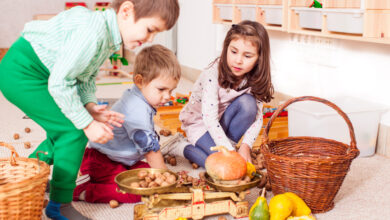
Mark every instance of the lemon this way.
pixel 300 207
pixel 280 207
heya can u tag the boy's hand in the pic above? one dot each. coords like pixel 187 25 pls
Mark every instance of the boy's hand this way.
pixel 98 132
pixel 245 152
pixel 101 114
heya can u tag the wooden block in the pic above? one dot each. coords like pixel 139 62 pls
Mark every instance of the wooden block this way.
pixel 377 4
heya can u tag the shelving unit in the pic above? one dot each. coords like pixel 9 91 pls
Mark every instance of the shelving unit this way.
pixel 358 20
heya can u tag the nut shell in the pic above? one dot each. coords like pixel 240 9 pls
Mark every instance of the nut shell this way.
pixel 114 204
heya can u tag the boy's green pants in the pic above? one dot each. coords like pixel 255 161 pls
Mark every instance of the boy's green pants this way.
pixel 24 82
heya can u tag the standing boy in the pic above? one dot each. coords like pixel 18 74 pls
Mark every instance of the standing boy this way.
pixel 50 71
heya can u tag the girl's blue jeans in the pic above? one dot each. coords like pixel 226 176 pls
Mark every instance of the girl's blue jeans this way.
pixel 235 121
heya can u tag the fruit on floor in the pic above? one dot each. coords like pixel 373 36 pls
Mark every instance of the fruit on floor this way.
pixel 300 207
pixel 259 210
pixel 280 207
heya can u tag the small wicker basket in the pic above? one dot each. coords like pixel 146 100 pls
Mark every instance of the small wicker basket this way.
pixel 22 186
pixel 313 168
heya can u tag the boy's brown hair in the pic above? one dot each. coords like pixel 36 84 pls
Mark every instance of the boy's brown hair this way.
pixel 155 60
pixel 167 10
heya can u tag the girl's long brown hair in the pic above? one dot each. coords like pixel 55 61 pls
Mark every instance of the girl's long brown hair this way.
pixel 259 78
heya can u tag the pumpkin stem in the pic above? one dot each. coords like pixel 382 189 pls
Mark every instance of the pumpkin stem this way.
pixel 219 148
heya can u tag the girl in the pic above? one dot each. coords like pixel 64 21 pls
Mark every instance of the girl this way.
pixel 226 101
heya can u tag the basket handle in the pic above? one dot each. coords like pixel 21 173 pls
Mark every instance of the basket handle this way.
pixel 310 98
pixel 14 154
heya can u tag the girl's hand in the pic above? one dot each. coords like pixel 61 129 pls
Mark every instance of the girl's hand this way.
pixel 245 152
pixel 98 132
pixel 101 114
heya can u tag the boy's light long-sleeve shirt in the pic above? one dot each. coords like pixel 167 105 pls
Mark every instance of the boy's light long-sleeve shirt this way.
pixel 73 45
pixel 136 137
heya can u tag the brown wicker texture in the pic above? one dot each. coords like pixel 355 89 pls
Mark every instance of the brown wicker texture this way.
pixel 22 186
pixel 313 168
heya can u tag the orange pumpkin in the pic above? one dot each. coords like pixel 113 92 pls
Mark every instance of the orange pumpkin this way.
pixel 225 165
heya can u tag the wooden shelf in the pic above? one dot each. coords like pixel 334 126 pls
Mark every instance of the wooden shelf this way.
pixel 370 24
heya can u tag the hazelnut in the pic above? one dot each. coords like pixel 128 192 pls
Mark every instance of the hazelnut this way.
pixel 45 202
pixel 165 132
pixel 27 130
pixel 16 136
pixel 27 145
pixel 114 204
pixel 172 161
pixel 195 166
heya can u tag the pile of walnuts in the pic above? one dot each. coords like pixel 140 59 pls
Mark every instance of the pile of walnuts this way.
pixel 150 180
pixel 259 163
pixel 185 179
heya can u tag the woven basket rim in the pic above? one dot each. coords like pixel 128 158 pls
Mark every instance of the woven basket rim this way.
pixel 348 156
pixel 44 171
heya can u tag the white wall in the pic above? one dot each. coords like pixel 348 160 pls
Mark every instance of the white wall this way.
pixel 15 13
pixel 196 34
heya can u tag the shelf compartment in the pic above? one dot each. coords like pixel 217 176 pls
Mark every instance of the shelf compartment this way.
pixel 247 12
pixel 310 18
pixel 271 14
pixel 223 12
pixel 345 20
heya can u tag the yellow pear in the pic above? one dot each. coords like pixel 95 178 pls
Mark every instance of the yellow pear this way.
pixel 300 207
pixel 280 207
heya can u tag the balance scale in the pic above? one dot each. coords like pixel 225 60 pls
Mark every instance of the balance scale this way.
pixel 195 204
pixel 186 201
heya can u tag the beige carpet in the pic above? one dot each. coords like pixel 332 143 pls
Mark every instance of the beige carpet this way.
pixel 365 193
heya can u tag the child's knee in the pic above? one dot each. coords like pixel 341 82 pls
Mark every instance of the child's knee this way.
pixel 248 104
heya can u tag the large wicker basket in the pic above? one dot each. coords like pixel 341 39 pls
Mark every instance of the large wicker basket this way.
pixel 313 168
pixel 22 186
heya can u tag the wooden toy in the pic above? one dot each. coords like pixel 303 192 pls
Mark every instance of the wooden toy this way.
pixel 101 6
pixel 69 5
